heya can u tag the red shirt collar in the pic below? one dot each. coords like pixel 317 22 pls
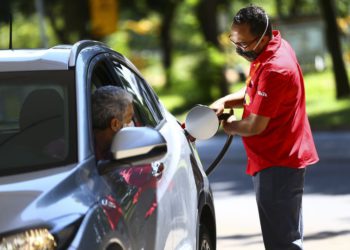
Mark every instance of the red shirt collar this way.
pixel 271 47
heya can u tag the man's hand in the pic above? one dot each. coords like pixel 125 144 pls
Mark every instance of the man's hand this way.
pixel 218 107
pixel 234 100
pixel 227 125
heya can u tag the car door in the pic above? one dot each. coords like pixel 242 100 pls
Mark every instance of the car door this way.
pixel 176 196
pixel 132 195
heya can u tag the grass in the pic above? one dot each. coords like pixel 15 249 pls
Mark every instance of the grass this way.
pixel 325 112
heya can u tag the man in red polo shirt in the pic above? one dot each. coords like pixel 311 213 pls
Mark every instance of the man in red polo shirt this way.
pixel 274 127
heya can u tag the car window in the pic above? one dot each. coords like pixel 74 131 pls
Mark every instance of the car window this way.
pixel 37 111
pixel 145 101
pixel 101 74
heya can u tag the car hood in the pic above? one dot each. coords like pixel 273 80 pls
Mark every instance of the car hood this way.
pixel 38 198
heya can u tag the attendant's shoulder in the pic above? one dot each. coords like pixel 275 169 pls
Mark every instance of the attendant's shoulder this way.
pixel 274 68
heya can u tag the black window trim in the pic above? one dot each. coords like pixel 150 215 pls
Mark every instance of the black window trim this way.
pixel 99 58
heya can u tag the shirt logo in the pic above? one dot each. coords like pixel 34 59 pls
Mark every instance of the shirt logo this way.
pixel 262 93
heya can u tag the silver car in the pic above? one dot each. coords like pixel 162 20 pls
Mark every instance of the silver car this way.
pixel 154 194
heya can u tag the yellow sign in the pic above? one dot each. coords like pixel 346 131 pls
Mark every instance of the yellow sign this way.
pixel 103 17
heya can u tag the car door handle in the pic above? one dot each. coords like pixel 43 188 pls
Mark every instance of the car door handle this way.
pixel 158 169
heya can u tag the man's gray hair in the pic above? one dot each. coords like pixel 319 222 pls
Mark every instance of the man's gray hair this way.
pixel 109 102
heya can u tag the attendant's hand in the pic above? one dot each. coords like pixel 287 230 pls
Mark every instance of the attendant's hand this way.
pixel 218 106
pixel 228 125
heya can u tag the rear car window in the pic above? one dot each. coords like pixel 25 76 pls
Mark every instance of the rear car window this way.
pixel 37 120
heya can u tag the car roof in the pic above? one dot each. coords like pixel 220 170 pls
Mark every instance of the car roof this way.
pixel 60 57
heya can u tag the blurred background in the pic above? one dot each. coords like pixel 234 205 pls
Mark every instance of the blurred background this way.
pixel 182 46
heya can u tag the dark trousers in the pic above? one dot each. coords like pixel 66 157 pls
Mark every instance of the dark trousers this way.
pixel 279 192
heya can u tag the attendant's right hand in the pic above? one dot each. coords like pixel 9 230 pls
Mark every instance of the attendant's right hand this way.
pixel 218 106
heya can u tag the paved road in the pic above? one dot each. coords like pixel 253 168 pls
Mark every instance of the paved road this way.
pixel 326 200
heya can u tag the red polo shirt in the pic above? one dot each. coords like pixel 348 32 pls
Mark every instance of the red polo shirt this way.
pixel 275 89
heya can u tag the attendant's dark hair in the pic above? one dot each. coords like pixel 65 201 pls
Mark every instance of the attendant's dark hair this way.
pixel 256 18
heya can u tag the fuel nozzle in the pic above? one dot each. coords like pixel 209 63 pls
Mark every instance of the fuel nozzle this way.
pixel 224 116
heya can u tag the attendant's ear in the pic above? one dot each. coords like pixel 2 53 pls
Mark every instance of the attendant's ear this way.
pixel 115 124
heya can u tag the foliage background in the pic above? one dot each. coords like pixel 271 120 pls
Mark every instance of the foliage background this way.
pixel 186 58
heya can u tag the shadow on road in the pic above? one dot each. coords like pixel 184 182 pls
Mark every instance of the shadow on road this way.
pixel 326 235
pixel 238 236
pixel 253 239
pixel 329 176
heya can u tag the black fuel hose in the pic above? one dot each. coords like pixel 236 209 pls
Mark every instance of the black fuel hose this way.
pixel 223 151
pixel 218 159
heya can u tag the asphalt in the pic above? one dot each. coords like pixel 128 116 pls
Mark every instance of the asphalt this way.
pixel 326 202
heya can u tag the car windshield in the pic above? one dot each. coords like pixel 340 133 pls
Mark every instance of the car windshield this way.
pixel 37 120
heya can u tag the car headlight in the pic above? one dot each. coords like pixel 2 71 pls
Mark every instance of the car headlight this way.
pixel 34 239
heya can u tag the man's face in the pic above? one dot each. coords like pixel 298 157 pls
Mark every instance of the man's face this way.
pixel 241 37
pixel 116 124
pixel 247 44
pixel 128 114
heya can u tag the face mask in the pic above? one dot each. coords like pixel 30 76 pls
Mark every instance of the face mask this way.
pixel 250 55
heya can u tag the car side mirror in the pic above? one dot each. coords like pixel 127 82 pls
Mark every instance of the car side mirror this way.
pixel 135 146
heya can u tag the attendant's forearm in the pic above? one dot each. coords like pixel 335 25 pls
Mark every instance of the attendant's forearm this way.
pixel 235 100
pixel 242 128
pixel 249 126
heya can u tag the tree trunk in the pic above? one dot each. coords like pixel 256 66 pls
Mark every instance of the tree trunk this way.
pixel 61 35
pixel 166 40
pixel 75 18
pixel 207 16
pixel 279 8
pixel 334 46
pixel 295 8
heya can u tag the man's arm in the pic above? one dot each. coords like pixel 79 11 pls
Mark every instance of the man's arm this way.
pixel 234 100
pixel 249 126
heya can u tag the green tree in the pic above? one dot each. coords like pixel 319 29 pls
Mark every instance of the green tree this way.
pixel 293 8
pixel 207 14
pixel 6 16
pixel 334 46
pixel 329 11
pixel 167 12
pixel 5 11
pixel 69 19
